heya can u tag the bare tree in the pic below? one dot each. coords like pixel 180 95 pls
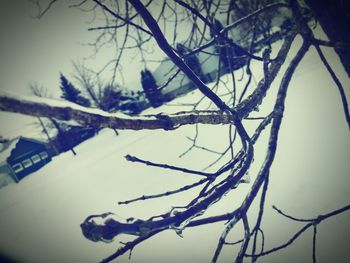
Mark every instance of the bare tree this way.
pixel 133 24
pixel 89 83
pixel 42 92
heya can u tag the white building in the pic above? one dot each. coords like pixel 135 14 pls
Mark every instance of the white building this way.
pixel 172 87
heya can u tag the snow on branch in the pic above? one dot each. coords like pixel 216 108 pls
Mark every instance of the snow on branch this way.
pixel 66 111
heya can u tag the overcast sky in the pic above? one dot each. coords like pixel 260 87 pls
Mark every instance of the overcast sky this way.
pixel 37 50
pixel 34 50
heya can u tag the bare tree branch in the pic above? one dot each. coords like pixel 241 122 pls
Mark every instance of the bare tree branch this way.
pixel 125 29
pixel 42 12
pixel 314 222
pixel 338 83
pixel 168 193
pixel 278 109
pixel 127 21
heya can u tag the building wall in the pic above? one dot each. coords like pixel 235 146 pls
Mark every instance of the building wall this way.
pixel 209 61
pixel 165 71
pixel 181 84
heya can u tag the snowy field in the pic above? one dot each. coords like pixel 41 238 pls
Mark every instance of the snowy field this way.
pixel 40 217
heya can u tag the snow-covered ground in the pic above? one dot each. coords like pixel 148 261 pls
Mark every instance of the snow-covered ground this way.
pixel 40 217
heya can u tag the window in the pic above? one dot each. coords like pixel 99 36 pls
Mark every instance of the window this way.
pixel 43 155
pixel 35 158
pixel 27 163
pixel 17 167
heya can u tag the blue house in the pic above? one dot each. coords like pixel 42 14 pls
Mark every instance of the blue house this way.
pixel 20 157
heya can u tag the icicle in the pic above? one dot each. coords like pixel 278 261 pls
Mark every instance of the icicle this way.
pixel 246 178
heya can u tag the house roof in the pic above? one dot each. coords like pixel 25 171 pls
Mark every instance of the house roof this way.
pixel 7 148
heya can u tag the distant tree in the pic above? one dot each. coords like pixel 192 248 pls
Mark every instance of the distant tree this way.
pixel 220 44
pixel 89 82
pixel 3 139
pixel 191 61
pixel 150 87
pixel 225 51
pixel 72 94
pixel 63 140
pixel 111 98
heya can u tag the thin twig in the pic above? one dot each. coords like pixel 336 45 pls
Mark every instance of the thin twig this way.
pixel 315 222
pixel 131 158
pixel 338 83
pixel 314 237
pixel 146 197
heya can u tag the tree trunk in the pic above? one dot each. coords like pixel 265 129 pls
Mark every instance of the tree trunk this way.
pixel 334 17
pixel 48 136
pixel 60 132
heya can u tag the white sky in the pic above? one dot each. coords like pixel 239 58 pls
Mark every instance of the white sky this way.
pixel 36 51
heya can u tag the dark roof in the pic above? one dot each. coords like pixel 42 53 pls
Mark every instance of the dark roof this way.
pixel 9 146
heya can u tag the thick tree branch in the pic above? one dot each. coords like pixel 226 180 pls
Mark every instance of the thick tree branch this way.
pixel 99 119
pixel 255 99
pixel 44 108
